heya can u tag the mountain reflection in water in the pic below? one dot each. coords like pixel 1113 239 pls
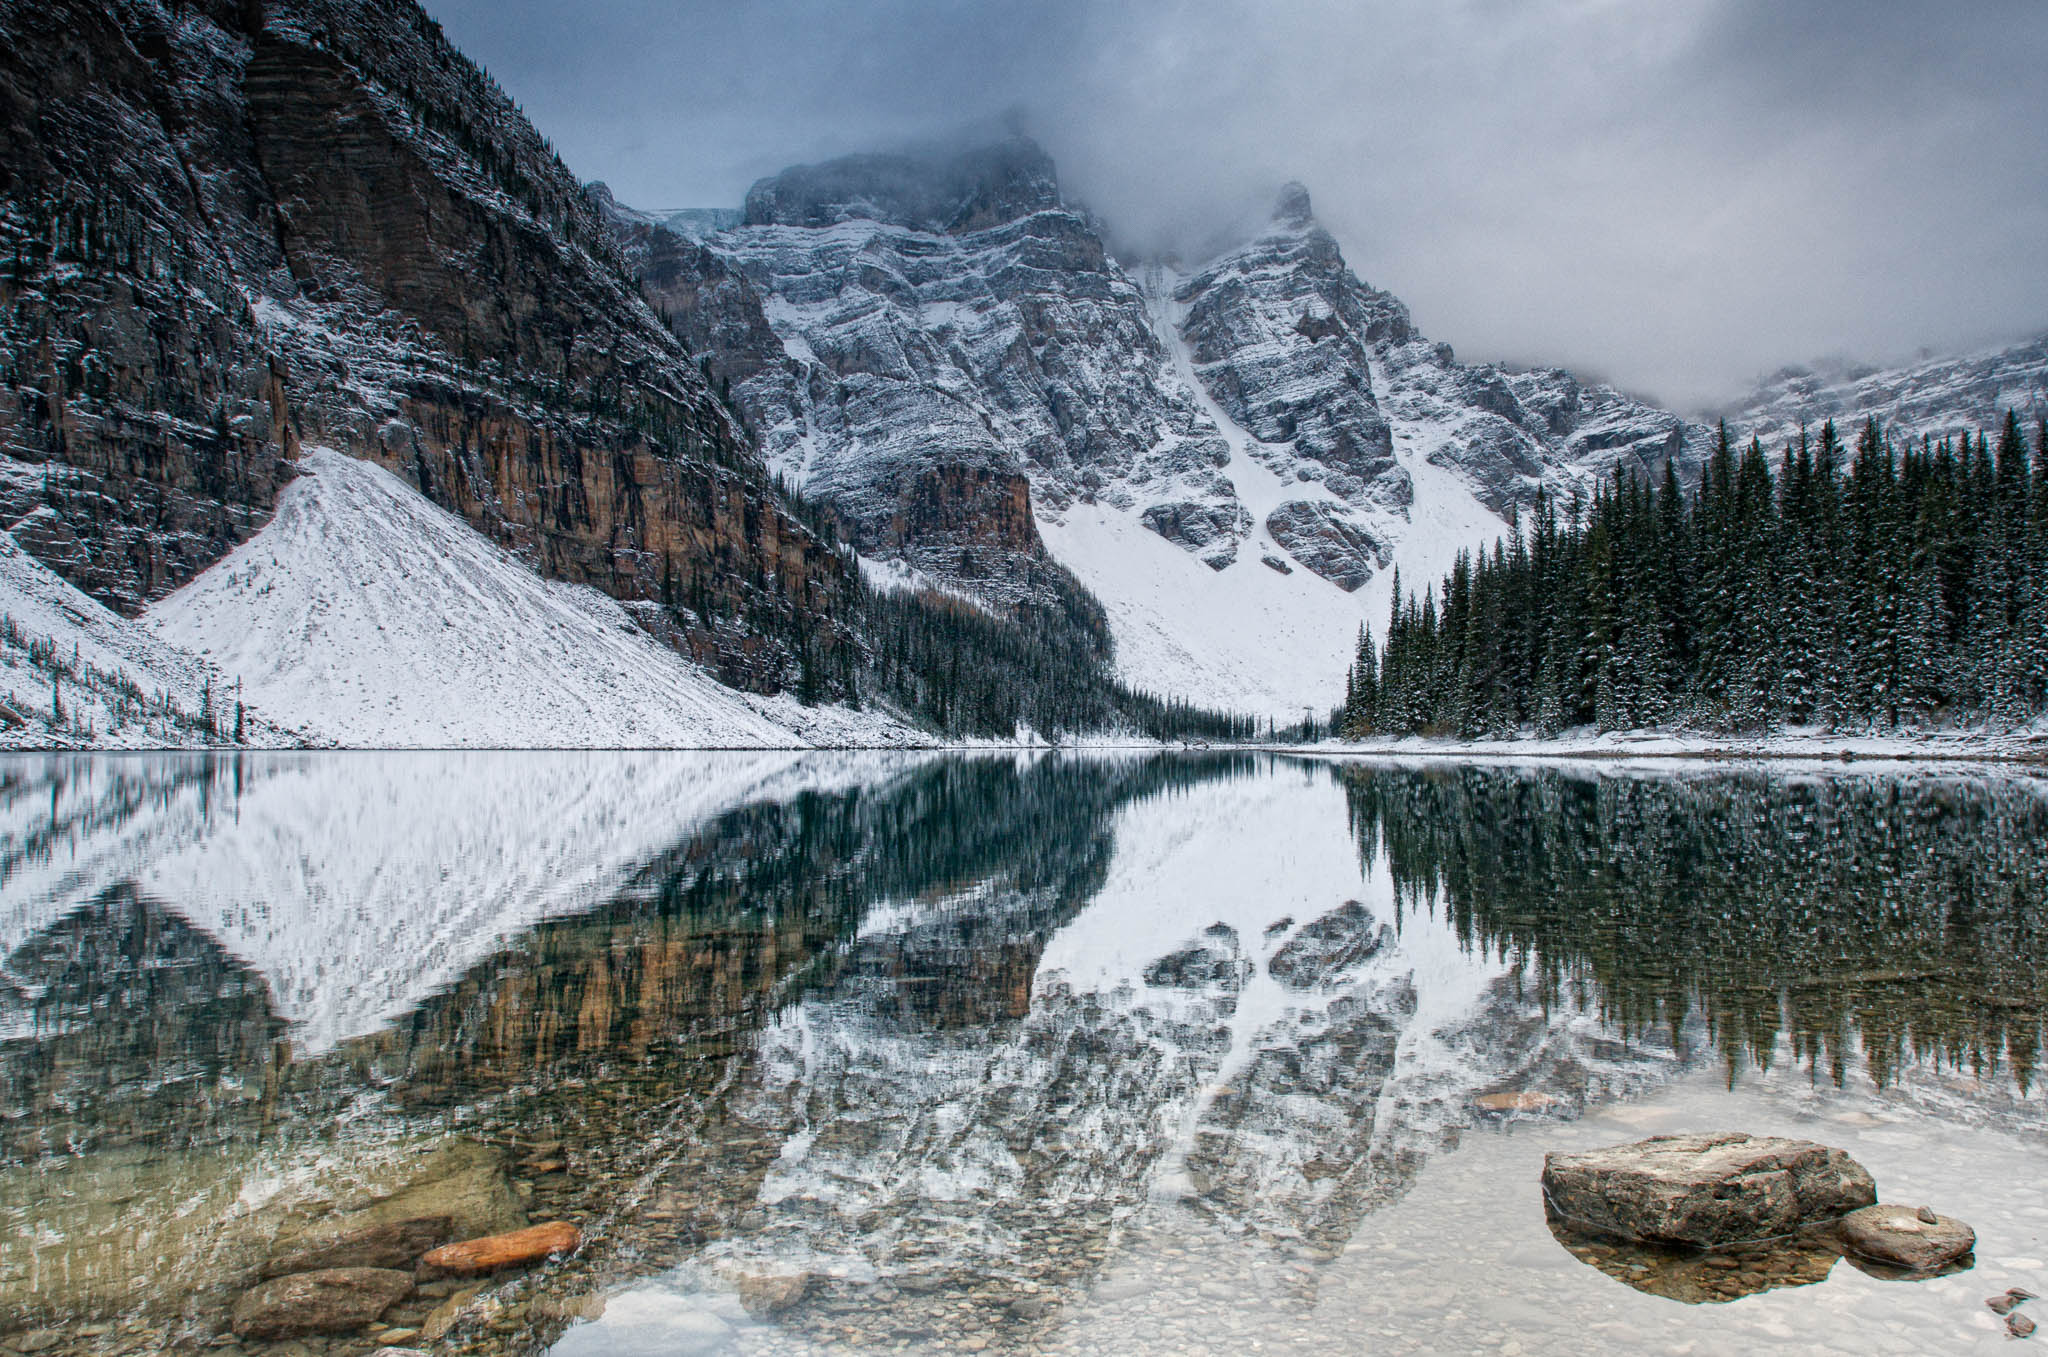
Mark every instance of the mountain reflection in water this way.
pixel 924 1032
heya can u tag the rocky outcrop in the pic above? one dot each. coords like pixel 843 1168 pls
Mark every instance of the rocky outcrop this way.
pixel 1279 332
pixel 1335 381
pixel 245 227
pixel 1326 540
pixel 1705 1190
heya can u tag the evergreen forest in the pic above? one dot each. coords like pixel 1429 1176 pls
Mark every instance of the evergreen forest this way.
pixel 1888 587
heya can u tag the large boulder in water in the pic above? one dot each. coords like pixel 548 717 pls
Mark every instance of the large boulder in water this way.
pixel 1705 1190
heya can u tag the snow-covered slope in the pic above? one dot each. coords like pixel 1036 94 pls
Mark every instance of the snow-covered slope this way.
pixel 368 617
pixel 1936 396
pixel 73 673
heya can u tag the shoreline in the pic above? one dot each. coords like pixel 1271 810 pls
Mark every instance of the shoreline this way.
pixel 2026 749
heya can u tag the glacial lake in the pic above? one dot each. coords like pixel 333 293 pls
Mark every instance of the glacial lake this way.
pixel 899 1052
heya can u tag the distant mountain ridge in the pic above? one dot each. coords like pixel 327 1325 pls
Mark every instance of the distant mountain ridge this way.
pixel 1934 395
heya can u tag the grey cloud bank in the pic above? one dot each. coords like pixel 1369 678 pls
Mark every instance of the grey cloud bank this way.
pixel 1675 196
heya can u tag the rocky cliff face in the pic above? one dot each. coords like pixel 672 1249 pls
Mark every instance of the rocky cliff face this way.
pixel 929 347
pixel 1935 396
pixel 234 228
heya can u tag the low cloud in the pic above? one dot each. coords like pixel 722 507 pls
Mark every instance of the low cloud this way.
pixel 1678 196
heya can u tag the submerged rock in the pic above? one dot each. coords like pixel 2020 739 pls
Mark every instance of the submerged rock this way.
pixel 1906 1238
pixel 392 1244
pixel 334 1300
pixel 768 1294
pixel 506 1250
pixel 1705 1190
pixel 1698 1276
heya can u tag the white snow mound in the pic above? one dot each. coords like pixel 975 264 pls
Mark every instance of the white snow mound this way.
pixel 367 616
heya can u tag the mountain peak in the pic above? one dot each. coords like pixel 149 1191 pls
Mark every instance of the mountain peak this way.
pixel 952 192
pixel 1292 208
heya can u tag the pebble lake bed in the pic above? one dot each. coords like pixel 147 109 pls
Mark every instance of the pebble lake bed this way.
pixel 607 1055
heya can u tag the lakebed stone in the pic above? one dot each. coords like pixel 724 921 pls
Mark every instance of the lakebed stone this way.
pixel 334 1300
pixel 768 1294
pixel 1705 1190
pixel 1698 1277
pixel 506 1250
pixel 392 1244
pixel 1905 1237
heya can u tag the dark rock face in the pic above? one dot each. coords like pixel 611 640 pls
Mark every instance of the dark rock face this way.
pixel 1279 334
pixel 335 1300
pixel 1705 1190
pixel 1210 530
pixel 1328 542
pixel 1303 354
pixel 314 220
pixel 1918 1240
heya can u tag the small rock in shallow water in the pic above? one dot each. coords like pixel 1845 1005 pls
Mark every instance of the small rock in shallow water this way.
pixel 767 1294
pixel 335 1300
pixel 1899 1236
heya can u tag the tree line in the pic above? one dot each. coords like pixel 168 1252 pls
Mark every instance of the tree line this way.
pixel 1898 586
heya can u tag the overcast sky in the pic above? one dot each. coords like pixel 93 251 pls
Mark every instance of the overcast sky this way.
pixel 1678 195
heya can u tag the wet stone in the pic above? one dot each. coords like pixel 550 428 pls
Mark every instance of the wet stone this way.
pixel 506 1250
pixel 393 1244
pixel 331 1301
pixel 1900 1236
pixel 1705 1190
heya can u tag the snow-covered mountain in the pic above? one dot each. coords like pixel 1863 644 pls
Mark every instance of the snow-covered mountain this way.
pixel 1230 459
pixel 1934 395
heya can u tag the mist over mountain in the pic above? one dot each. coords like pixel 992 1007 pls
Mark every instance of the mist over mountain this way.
pixel 1678 198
